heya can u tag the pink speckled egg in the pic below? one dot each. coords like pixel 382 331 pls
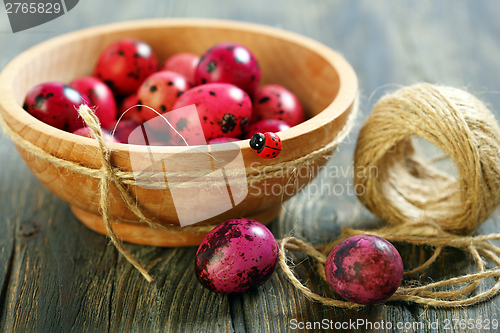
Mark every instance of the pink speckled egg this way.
pixel 236 256
pixel 100 96
pixel 223 110
pixel 364 269
pixel 229 62
pixel 184 63
pixel 122 129
pixel 160 91
pixel 56 104
pixel 125 64
pixel 274 101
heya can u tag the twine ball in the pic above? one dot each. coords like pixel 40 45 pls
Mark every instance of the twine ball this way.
pixel 401 187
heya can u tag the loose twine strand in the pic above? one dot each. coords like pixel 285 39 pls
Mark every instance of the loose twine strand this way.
pixel 419 294
pixel 419 202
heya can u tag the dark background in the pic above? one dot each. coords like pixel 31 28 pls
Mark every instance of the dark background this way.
pixel 58 276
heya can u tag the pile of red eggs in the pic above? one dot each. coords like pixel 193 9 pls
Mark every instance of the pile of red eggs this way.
pixel 127 86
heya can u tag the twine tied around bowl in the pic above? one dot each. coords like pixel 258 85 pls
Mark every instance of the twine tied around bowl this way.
pixel 109 175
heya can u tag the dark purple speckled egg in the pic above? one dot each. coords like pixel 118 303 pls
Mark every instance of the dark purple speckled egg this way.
pixel 364 269
pixel 238 255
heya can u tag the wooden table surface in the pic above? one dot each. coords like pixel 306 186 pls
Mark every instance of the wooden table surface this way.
pixel 58 276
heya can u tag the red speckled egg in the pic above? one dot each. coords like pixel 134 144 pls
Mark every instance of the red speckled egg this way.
pixel 56 104
pixel 273 101
pixel 125 64
pixel 160 91
pixel 364 269
pixel 183 63
pixel 268 125
pixel 122 129
pixel 223 111
pixel 129 109
pixel 229 62
pixel 236 256
pixel 100 96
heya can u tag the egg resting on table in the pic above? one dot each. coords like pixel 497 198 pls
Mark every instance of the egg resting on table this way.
pixel 236 256
pixel 364 269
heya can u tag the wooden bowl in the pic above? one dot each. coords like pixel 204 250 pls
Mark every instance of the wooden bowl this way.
pixel 323 81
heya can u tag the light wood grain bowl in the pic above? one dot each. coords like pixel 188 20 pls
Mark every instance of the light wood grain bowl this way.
pixel 323 81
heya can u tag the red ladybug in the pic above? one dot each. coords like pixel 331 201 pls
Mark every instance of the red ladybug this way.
pixel 267 145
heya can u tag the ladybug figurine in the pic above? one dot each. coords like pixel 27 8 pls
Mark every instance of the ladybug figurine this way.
pixel 267 145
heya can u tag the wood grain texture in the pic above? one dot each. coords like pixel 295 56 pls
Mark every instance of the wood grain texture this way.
pixel 58 276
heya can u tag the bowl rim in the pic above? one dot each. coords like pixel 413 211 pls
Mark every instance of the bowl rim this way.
pixel 343 101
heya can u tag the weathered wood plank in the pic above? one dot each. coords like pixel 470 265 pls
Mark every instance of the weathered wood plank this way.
pixel 57 275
